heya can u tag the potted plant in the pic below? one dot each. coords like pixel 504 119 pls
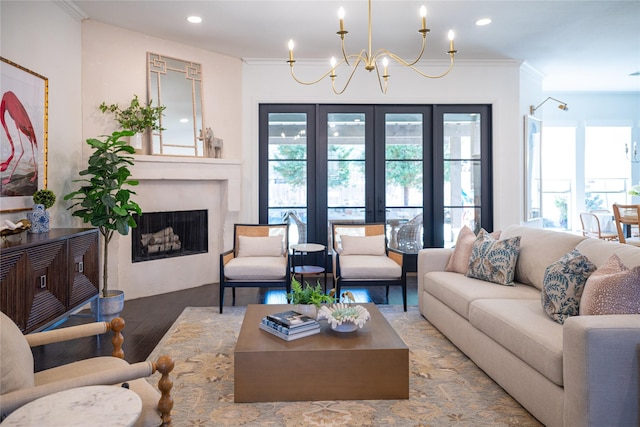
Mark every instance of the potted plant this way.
pixel 137 117
pixel 39 217
pixel 104 201
pixel 307 299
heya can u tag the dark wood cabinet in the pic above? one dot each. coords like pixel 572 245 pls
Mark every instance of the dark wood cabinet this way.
pixel 47 276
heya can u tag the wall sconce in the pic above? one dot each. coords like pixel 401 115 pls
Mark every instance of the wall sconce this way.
pixel 633 155
pixel 562 106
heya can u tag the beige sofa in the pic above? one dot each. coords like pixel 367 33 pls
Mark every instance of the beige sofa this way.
pixel 583 373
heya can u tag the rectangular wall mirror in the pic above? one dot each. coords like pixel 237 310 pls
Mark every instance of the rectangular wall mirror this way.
pixel 177 85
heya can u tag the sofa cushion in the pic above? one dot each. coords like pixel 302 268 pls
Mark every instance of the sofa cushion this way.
pixel 538 249
pixel 267 246
pixel 368 267
pixel 363 245
pixel 563 285
pixel 494 260
pixel 254 268
pixel 612 289
pixel 458 291
pixel 523 328
pixel 16 359
pixel 599 251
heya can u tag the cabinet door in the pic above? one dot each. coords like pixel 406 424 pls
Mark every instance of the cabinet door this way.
pixel 47 291
pixel 12 297
pixel 83 268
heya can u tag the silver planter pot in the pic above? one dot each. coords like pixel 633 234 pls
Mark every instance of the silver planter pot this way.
pixel 108 307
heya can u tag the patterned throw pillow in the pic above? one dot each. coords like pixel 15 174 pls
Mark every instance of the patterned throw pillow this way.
pixel 612 289
pixel 494 260
pixel 459 260
pixel 563 285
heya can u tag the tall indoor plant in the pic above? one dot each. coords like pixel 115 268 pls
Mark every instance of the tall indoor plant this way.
pixel 103 199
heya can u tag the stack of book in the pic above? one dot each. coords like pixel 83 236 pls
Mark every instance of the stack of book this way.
pixel 290 325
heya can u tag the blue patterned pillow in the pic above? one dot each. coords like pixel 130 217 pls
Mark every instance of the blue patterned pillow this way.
pixel 494 260
pixel 563 284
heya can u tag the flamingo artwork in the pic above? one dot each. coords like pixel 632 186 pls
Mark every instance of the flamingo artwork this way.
pixel 12 105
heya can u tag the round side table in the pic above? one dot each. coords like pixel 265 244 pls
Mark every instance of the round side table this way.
pixel 302 269
pixel 96 406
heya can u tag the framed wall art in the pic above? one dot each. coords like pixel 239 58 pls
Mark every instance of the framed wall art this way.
pixel 532 168
pixel 23 135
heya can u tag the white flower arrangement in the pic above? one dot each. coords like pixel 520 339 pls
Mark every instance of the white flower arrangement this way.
pixel 340 313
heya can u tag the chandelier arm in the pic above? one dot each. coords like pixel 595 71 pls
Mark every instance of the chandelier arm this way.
pixel 429 76
pixel 382 89
pixel 344 53
pixel 354 67
pixel 312 82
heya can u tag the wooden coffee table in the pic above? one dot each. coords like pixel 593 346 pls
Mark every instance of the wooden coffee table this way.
pixel 371 363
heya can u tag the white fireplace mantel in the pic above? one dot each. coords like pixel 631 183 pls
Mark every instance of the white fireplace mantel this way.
pixel 194 169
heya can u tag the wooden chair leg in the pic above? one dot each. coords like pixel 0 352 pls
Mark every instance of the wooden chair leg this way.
pixel 117 325
pixel 165 365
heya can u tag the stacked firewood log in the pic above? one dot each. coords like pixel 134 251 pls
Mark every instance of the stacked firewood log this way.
pixel 164 240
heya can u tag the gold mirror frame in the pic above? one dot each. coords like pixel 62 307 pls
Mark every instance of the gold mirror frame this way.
pixel 176 84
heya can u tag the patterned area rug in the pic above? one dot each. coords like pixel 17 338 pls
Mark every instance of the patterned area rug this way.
pixel 446 388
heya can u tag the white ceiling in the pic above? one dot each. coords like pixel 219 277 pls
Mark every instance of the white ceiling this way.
pixel 579 45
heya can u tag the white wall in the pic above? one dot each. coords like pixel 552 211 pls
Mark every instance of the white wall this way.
pixel 114 68
pixel 44 38
pixel 495 83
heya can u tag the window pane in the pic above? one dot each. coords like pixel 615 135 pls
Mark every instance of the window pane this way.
pixel 462 174
pixel 607 170
pixel 288 173
pixel 345 166
pixel 558 156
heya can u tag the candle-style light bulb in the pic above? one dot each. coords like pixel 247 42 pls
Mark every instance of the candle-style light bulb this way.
pixel 341 17
pixel 290 49
pixel 385 64
pixel 333 65
pixel 451 36
pixel 423 15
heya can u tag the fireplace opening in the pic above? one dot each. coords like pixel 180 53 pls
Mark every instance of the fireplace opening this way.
pixel 169 234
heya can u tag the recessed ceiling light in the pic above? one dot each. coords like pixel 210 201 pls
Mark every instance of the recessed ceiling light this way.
pixel 483 21
pixel 194 19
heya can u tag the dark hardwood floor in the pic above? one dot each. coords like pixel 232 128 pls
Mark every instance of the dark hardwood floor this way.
pixel 148 319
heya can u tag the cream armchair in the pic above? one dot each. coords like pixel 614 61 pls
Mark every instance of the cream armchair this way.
pixel 361 258
pixel 259 258
pixel 19 385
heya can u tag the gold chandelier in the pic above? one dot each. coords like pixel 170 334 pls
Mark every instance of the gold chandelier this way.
pixel 370 58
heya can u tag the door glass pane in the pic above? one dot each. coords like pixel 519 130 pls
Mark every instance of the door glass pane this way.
pixel 345 167
pixel 462 174
pixel 403 178
pixel 288 173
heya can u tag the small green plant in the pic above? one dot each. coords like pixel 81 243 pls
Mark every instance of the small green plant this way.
pixel 44 197
pixel 308 294
pixel 137 117
pixel 635 190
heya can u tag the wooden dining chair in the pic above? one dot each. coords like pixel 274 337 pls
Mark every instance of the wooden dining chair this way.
pixel 591 227
pixel 629 216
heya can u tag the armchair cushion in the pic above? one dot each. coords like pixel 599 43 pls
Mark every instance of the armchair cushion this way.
pixel 268 246
pixel 256 267
pixel 368 267
pixel 363 245
pixel 16 366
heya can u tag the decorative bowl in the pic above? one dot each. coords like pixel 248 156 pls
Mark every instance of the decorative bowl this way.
pixel 344 317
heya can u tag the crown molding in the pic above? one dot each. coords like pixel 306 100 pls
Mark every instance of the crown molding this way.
pixel 72 9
